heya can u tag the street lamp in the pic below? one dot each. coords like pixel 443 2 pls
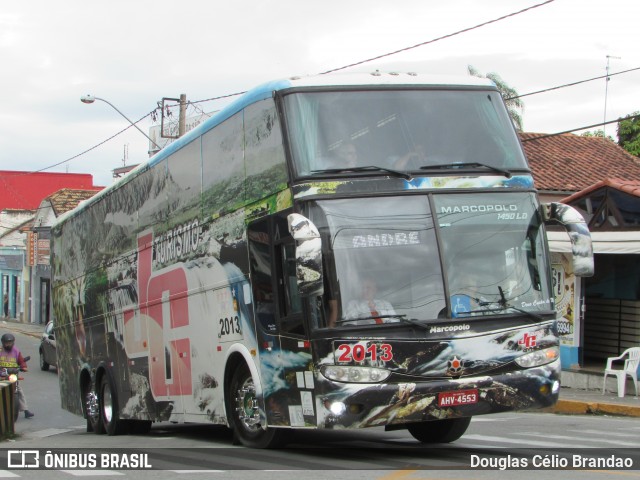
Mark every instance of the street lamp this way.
pixel 91 99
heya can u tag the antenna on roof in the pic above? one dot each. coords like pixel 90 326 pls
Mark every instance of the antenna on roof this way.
pixel 606 91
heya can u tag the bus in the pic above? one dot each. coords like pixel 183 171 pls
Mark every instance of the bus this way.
pixel 327 252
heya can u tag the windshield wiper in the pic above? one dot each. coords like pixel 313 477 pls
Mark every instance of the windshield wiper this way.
pixel 413 321
pixel 504 305
pixel 368 168
pixel 453 166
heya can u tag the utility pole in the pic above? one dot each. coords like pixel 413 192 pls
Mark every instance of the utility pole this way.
pixel 182 118
pixel 606 91
pixel 182 121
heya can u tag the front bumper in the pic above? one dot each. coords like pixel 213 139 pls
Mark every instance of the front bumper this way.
pixel 370 405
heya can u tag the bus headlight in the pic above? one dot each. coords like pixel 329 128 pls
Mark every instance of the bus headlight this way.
pixel 355 374
pixel 539 357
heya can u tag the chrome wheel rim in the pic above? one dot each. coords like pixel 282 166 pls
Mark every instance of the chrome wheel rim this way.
pixel 107 404
pixel 247 406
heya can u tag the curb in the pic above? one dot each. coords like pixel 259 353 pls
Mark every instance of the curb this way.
pixel 577 407
pixel 33 330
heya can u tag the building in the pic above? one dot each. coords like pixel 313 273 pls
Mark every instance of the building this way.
pixel 13 296
pixel 21 194
pixel 601 314
pixel 25 190
pixel 39 247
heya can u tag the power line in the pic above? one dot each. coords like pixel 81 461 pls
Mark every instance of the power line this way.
pixel 573 83
pixel 631 117
pixel 343 68
pixel 331 71
pixel 87 150
pixel 440 38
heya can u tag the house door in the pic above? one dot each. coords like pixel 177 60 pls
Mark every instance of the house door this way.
pixel 45 292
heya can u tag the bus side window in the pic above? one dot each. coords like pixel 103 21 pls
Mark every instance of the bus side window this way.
pixel 291 318
pixel 260 260
pixel 292 300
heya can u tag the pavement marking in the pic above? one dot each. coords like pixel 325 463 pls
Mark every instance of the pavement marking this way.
pixel 609 434
pixel 494 420
pixel 528 444
pixel 197 471
pixel 91 473
pixel 48 432
pixel 8 474
pixel 598 440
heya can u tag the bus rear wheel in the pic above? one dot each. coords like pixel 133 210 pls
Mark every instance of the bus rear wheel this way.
pixel 245 414
pixel 92 410
pixel 439 431
pixel 109 410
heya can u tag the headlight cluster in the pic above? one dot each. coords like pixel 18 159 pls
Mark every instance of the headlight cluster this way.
pixel 539 357
pixel 355 374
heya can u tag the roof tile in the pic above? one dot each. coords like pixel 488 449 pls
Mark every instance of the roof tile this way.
pixel 570 162
pixel 67 199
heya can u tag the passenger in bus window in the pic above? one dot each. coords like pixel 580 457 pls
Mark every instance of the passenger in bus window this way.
pixel 344 156
pixel 466 297
pixel 412 160
pixel 368 308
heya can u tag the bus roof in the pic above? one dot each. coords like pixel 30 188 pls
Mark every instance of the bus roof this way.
pixel 338 80
pixel 266 90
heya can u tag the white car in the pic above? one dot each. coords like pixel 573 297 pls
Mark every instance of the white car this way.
pixel 48 356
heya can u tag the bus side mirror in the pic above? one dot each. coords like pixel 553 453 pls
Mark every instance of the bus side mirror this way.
pixel 579 235
pixel 308 255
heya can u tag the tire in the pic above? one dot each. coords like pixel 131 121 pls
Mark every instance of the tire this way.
pixel 439 431
pixel 109 409
pixel 91 407
pixel 245 415
pixel 44 366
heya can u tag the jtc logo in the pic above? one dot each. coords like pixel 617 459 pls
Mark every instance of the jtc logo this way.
pixel 528 340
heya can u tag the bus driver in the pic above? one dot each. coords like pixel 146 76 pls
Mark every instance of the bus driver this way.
pixel 369 308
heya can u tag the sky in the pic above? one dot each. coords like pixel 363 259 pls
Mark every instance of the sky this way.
pixel 133 53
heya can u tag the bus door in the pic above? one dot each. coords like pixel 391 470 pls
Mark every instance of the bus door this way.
pixel 282 334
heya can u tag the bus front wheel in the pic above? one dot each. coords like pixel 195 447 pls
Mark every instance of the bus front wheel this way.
pixel 245 414
pixel 439 431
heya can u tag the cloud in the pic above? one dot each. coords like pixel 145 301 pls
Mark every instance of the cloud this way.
pixel 135 53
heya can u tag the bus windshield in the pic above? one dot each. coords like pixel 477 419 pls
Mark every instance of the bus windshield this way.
pixel 494 254
pixel 383 264
pixel 403 130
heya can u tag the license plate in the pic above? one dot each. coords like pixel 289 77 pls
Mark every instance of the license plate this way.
pixel 461 397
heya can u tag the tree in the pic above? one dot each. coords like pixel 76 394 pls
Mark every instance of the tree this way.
pixel 597 134
pixel 629 133
pixel 515 106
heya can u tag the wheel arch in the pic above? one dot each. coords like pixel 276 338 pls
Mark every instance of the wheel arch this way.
pixel 236 356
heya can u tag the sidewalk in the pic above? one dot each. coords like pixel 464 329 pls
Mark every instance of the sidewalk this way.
pixel 31 329
pixel 576 401
pixel 573 401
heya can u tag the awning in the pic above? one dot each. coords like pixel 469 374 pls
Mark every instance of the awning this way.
pixel 603 242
